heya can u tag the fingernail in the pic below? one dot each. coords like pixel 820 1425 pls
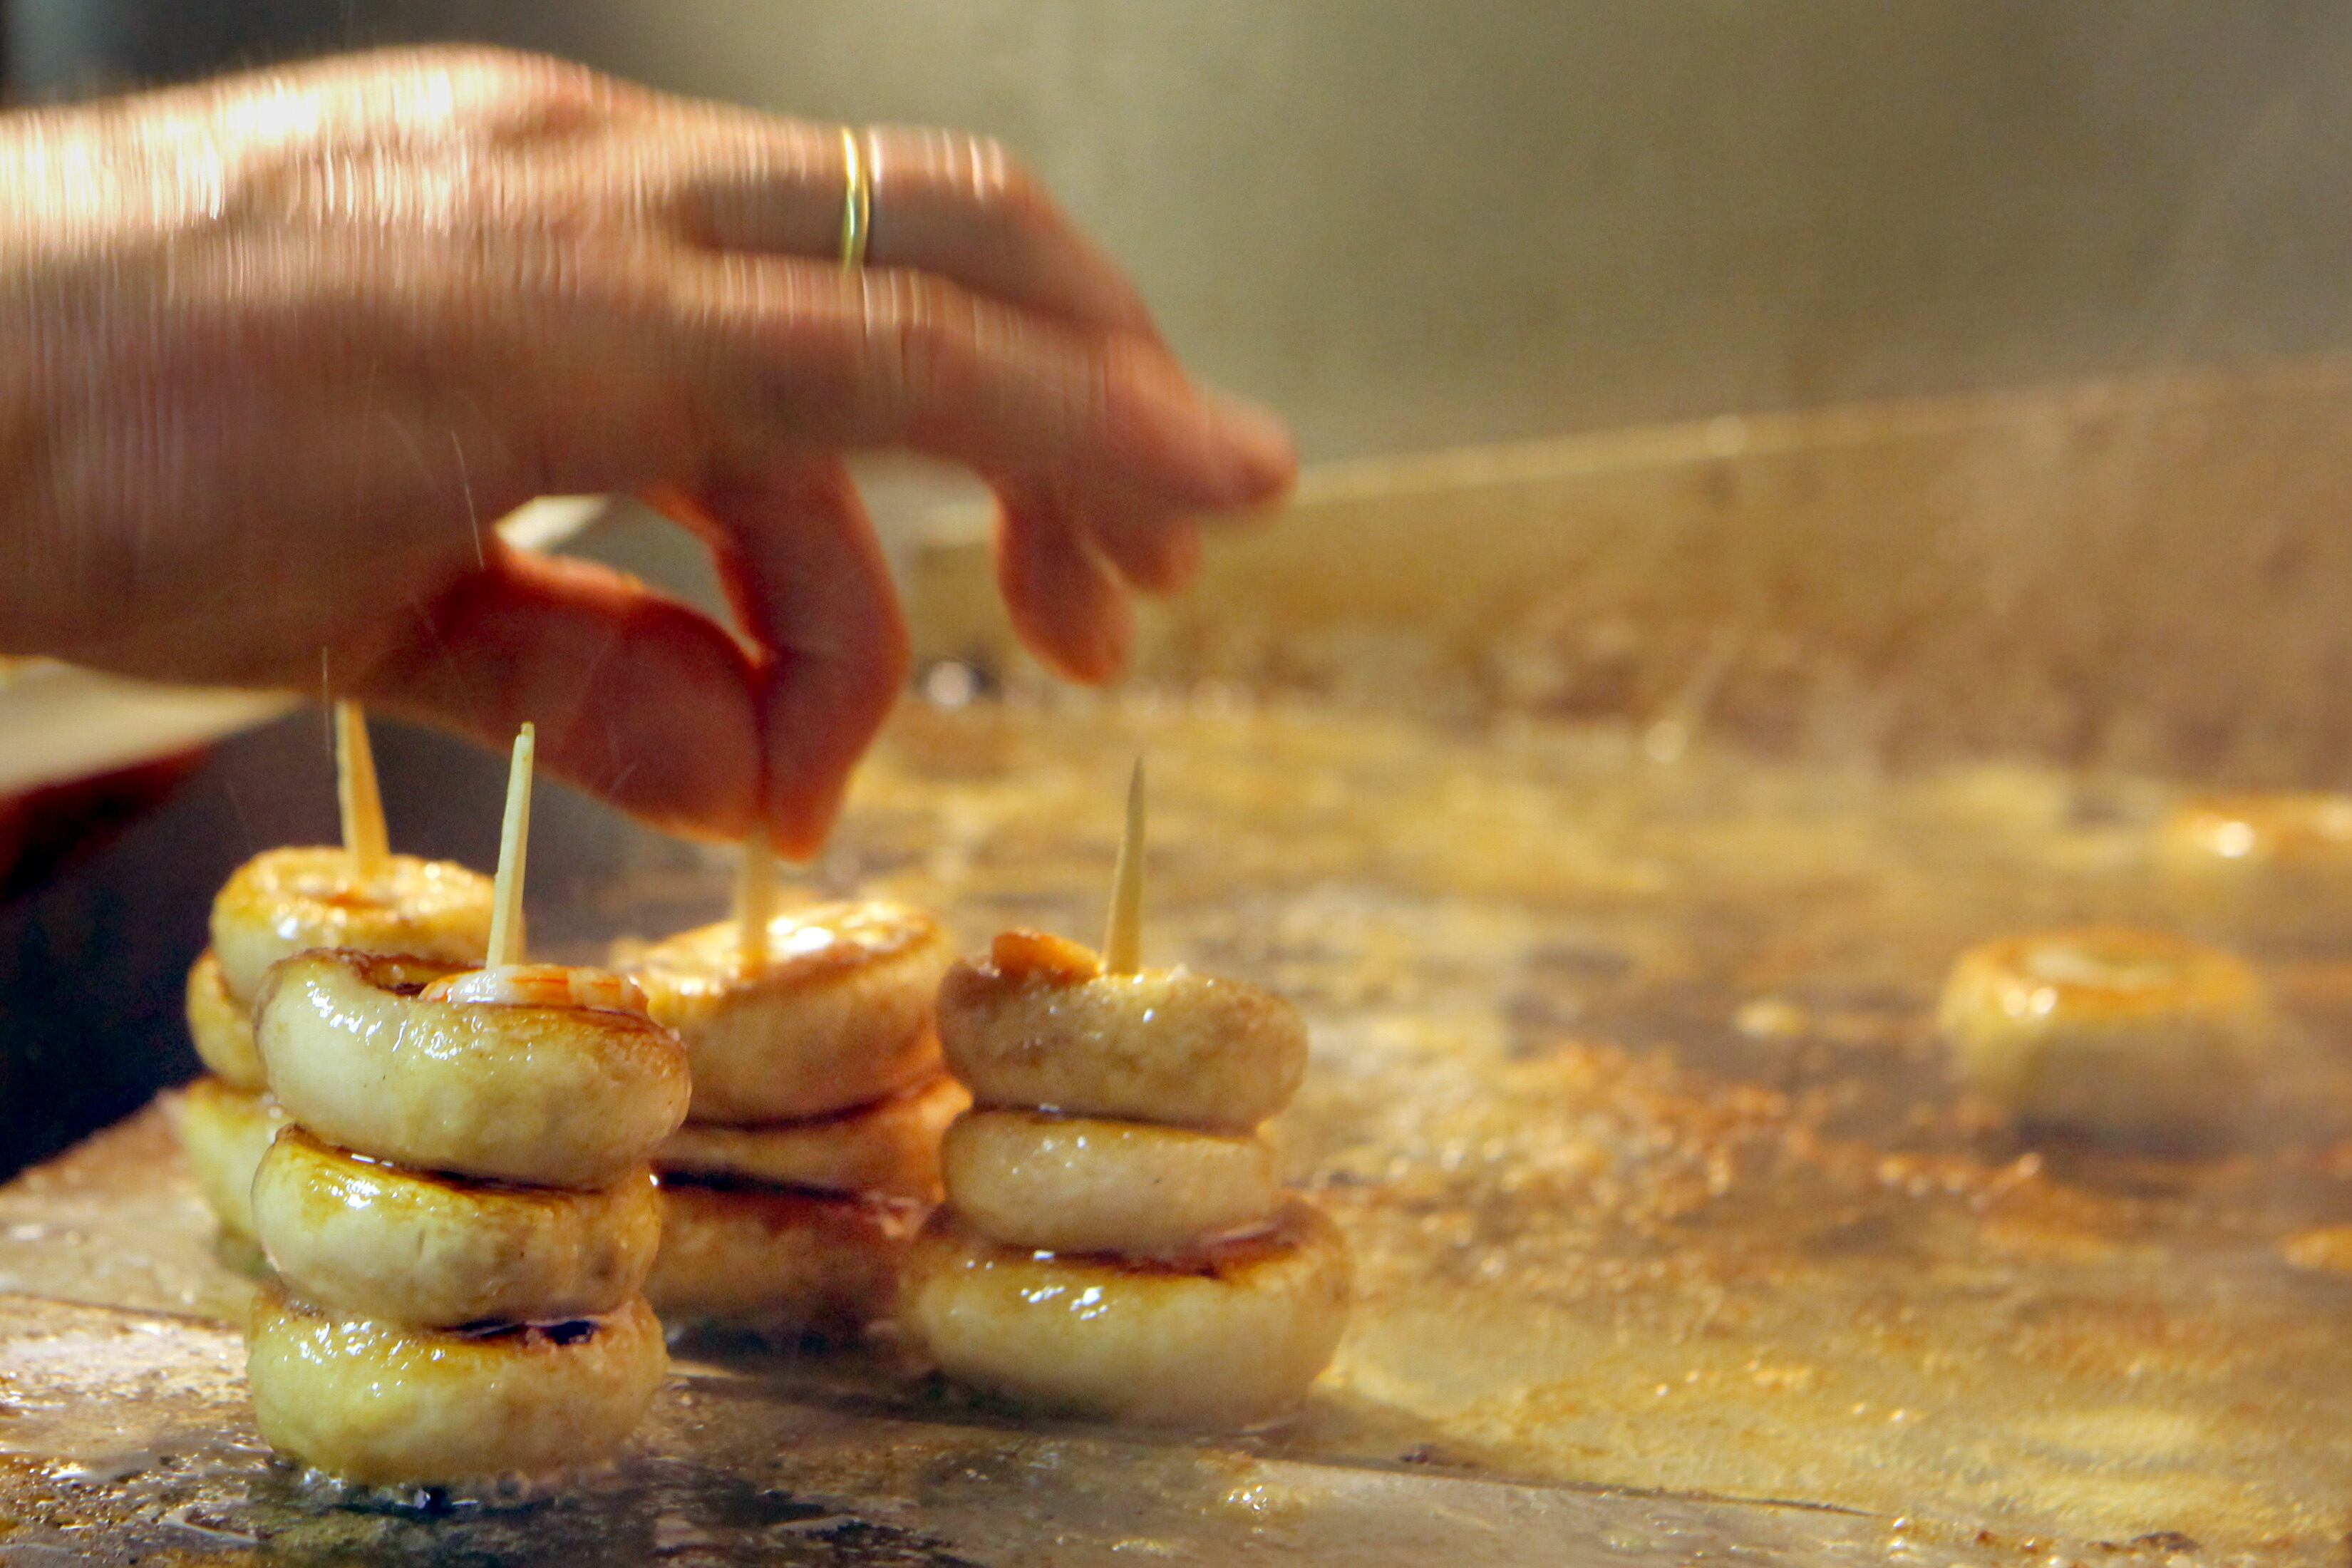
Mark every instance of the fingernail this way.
pixel 797 829
pixel 1098 655
pixel 1112 656
pixel 1261 458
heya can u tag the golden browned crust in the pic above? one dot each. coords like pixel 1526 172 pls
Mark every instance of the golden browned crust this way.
pixel 1231 1337
pixel 362 1236
pixel 891 1147
pixel 838 1016
pixel 558 1096
pixel 224 1130
pixel 381 1405
pixel 782 1262
pixel 284 901
pixel 1021 954
pixel 1066 1183
pixel 1162 1045
pixel 222 1028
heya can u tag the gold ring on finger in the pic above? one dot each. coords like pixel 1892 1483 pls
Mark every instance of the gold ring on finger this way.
pixel 857 200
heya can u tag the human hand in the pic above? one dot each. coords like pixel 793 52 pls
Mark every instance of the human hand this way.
pixel 281 346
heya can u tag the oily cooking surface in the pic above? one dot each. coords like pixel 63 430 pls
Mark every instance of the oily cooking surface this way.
pixel 128 1442
pixel 1626 1092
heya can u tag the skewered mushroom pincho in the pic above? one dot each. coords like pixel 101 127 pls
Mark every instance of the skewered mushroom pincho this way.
pixel 1114 1241
pixel 464 1216
pixel 812 1152
pixel 360 897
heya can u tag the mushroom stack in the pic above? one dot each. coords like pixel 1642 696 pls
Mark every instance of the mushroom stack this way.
pixel 360 897
pixel 1114 1240
pixel 811 1150
pixel 2120 1036
pixel 462 1216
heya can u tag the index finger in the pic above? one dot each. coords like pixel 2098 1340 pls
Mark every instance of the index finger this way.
pixel 799 561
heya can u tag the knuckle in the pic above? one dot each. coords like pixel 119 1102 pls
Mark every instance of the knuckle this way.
pixel 477 66
pixel 724 178
pixel 918 328
pixel 626 288
pixel 458 56
pixel 1004 189
pixel 517 92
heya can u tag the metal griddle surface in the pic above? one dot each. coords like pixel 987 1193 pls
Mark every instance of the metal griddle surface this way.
pixel 1671 1232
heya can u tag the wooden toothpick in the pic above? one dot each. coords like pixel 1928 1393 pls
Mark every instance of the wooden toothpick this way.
pixel 1123 943
pixel 514 846
pixel 755 898
pixel 364 838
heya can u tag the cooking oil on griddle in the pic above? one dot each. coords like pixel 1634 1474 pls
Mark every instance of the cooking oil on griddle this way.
pixel 1628 1093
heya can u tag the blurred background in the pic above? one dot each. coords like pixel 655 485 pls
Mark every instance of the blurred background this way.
pixel 1407 227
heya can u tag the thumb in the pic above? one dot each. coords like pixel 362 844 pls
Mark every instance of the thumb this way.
pixel 637 699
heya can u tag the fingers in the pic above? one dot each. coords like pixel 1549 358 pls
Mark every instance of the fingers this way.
pixel 986 330
pixel 887 358
pixel 960 207
pixel 637 699
pixel 942 201
pixel 805 573
pixel 1100 444
pixel 1154 553
pixel 1064 601
pixel 971 247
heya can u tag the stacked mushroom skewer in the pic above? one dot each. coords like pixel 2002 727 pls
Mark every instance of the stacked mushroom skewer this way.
pixel 462 1215
pixel 452 1171
pixel 362 897
pixel 811 1152
pixel 1115 1241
